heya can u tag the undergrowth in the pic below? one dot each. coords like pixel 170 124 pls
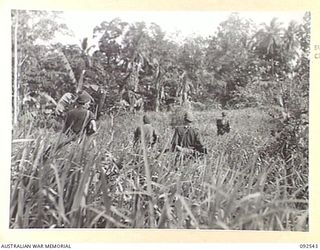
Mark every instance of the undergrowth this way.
pixel 238 185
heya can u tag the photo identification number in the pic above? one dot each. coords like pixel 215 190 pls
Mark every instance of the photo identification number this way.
pixel 308 246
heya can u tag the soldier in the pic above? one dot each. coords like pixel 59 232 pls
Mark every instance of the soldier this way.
pixel 223 125
pixel 150 134
pixel 67 102
pixel 80 120
pixel 187 139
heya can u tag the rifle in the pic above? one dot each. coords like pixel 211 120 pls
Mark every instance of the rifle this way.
pixel 58 147
pixel 164 150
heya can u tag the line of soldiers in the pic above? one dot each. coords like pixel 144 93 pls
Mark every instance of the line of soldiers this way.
pixel 80 122
pixel 186 139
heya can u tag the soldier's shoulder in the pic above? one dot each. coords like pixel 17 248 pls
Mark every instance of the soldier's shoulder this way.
pixel 137 128
pixel 195 130
pixel 69 112
pixel 179 128
pixel 137 132
pixel 78 111
pixel 74 110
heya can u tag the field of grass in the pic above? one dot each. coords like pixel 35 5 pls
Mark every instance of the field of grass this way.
pixel 236 186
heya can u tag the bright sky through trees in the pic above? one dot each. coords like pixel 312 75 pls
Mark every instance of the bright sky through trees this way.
pixel 184 22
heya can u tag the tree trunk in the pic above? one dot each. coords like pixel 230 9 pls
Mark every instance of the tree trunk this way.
pixel 101 102
pixel 159 87
pixel 272 69
pixel 80 83
pixel 16 74
pixel 156 100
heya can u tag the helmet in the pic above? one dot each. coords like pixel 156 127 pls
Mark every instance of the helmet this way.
pixel 83 98
pixel 146 119
pixel 188 117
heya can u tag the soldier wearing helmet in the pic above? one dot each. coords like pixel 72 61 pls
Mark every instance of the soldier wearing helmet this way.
pixel 223 125
pixel 150 134
pixel 80 120
pixel 187 139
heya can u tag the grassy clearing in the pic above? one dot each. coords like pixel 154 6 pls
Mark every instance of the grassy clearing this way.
pixel 231 188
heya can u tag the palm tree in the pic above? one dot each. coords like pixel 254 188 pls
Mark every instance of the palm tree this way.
pixel 290 45
pixel 85 49
pixel 290 36
pixel 270 46
pixel 268 42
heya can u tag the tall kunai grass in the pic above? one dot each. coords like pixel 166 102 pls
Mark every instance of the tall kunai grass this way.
pixel 233 187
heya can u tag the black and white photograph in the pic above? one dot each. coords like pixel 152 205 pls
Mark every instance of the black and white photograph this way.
pixel 160 120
